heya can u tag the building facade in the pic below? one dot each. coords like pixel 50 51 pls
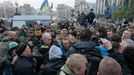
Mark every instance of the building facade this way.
pixel 64 11
pixel 27 9
pixel 7 9
pixel 83 6
pixel 100 5
pixel 91 6
pixel 80 6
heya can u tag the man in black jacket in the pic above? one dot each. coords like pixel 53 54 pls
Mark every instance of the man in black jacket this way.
pixel 24 65
pixel 128 54
pixel 55 61
pixel 90 17
pixel 86 47
pixel 41 51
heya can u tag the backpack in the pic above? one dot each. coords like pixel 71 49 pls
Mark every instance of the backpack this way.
pixel 93 56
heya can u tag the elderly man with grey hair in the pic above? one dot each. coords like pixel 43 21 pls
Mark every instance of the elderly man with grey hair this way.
pixel 40 52
pixel 47 39
pixel 125 43
pixel 76 64
pixel 117 55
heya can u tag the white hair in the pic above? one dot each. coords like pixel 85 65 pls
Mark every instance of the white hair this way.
pixel 125 43
pixel 128 42
pixel 75 61
pixel 45 35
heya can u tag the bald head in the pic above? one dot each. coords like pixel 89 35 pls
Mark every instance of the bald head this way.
pixel 47 39
pixel 109 66
pixel 46 35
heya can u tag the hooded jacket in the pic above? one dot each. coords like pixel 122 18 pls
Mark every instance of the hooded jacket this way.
pixel 40 53
pixel 81 45
pixel 66 71
pixel 55 61
pixel 87 48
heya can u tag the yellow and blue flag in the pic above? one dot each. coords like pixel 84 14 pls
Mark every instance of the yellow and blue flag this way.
pixel 44 6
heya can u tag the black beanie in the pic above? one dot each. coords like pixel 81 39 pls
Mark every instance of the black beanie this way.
pixel 20 49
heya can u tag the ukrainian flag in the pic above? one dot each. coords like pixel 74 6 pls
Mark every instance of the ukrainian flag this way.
pixel 44 6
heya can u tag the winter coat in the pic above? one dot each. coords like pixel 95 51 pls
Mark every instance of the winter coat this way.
pixel 81 45
pixel 90 17
pixel 53 66
pixel 119 58
pixel 40 53
pixel 24 66
pixel 55 61
pixel 87 48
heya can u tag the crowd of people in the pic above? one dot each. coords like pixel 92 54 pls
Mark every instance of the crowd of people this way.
pixel 69 49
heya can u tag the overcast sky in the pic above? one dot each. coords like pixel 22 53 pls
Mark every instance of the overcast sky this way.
pixel 37 3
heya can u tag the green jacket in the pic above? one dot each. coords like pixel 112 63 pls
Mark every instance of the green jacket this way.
pixel 65 71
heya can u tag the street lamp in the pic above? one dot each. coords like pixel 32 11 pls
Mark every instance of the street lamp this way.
pixel 132 11
pixel 16 6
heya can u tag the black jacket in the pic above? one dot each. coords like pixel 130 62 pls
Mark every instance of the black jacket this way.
pixel 40 53
pixel 53 66
pixel 81 45
pixel 93 55
pixel 132 72
pixel 90 17
pixel 24 66
pixel 119 58
pixel 7 68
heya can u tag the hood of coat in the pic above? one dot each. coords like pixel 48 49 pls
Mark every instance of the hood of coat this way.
pixel 66 70
pixel 85 44
pixel 55 52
